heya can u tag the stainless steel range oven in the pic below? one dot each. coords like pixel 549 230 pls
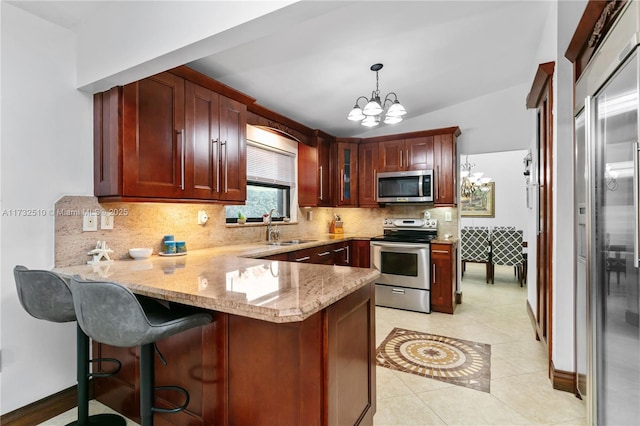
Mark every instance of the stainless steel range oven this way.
pixel 402 257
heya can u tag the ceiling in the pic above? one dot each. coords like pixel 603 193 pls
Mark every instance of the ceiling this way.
pixel 435 54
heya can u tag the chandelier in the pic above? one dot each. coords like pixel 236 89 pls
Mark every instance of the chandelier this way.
pixel 472 183
pixel 373 110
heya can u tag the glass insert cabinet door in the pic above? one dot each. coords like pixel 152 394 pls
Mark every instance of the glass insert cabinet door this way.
pixel 347 173
pixel 615 349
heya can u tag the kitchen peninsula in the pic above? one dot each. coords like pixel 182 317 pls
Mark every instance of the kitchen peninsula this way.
pixel 290 343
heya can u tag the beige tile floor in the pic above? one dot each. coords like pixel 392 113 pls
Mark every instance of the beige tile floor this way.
pixel 521 392
pixel 496 314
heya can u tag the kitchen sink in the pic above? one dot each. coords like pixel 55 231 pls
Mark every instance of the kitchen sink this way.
pixel 289 242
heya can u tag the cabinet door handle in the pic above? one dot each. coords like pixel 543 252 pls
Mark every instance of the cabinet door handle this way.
pixel 375 187
pixel 636 227
pixel 324 253
pixel 338 250
pixel 400 158
pixel 434 273
pixel 347 260
pixel 216 165
pixel 182 142
pixel 407 158
pixel 226 165
pixel 321 184
pixel 436 182
pixel 342 185
pixel 441 251
pixel 302 259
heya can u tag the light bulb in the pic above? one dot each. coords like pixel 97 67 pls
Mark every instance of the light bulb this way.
pixel 370 121
pixel 372 108
pixel 355 114
pixel 396 109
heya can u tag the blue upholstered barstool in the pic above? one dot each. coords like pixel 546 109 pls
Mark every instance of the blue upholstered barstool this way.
pixel 111 314
pixel 46 296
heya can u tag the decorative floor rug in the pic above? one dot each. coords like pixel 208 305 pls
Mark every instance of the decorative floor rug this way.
pixel 455 361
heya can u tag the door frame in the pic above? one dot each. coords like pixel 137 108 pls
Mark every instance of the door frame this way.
pixel 540 98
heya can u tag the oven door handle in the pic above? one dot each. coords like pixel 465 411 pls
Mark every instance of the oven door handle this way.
pixel 400 245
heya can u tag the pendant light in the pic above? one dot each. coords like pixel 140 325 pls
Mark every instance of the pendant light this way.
pixel 372 113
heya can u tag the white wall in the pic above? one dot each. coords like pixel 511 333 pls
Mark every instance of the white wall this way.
pixel 569 14
pixel 546 53
pixel 559 29
pixel 506 170
pixel 46 152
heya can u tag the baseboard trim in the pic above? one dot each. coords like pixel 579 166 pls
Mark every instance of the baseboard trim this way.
pixel 532 317
pixel 563 380
pixel 42 410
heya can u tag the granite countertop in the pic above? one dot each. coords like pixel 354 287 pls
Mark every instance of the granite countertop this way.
pixel 451 240
pixel 229 279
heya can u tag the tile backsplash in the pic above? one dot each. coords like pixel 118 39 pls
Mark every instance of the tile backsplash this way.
pixel 145 224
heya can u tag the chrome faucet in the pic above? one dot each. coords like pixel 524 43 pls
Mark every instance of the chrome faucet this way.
pixel 272 234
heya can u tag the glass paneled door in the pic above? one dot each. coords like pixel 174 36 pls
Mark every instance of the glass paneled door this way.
pixel 614 285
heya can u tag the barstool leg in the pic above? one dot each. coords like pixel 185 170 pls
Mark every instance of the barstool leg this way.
pixel 146 384
pixel 82 371
pixel 82 348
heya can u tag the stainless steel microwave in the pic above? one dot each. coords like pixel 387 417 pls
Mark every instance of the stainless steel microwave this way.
pixel 415 186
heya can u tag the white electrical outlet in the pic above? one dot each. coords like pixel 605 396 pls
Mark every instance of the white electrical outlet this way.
pixel 202 217
pixel 447 216
pixel 106 220
pixel 90 222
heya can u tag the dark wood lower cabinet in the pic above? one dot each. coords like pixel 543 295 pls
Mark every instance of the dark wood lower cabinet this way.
pixel 361 253
pixel 351 371
pixel 443 277
pixel 241 371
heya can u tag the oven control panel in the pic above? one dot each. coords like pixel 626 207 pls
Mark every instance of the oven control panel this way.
pixel 409 223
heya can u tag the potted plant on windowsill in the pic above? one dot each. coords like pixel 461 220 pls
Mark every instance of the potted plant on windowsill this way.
pixel 241 219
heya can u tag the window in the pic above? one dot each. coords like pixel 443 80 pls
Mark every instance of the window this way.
pixel 271 176
pixel 261 198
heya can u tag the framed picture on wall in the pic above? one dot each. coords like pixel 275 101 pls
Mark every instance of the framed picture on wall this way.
pixel 481 203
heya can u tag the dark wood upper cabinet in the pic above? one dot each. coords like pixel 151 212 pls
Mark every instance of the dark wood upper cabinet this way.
pixel 346 173
pixel 419 153
pixel 445 170
pixel 391 153
pixel 325 183
pixel 406 154
pixel 367 170
pixel 425 150
pixel 166 138
pixel 153 137
pixel 314 172
pixel 233 150
pixel 181 136
pixel 202 142
pixel 307 175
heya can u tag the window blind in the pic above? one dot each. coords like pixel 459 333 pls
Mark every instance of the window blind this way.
pixel 270 165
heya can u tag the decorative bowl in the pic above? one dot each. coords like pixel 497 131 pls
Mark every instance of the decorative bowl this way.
pixel 140 253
